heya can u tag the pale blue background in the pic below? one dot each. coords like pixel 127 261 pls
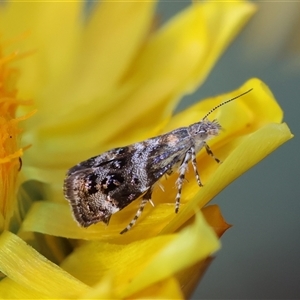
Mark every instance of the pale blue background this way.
pixel 260 256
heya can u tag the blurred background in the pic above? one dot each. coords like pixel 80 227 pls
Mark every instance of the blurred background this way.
pixel 260 255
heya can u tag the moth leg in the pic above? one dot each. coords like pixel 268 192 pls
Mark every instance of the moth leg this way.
pixel 146 198
pixel 194 164
pixel 209 152
pixel 179 181
pixel 151 202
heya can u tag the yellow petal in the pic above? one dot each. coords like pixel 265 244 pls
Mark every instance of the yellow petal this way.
pixel 112 38
pixel 103 290
pixel 196 242
pixel 41 25
pixel 189 278
pixel 134 264
pixel 165 289
pixel 10 289
pixel 244 115
pixel 26 267
pixel 214 218
pixel 42 218
pixel 168 288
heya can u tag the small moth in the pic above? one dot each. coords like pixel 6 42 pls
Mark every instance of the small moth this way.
pixel 105 184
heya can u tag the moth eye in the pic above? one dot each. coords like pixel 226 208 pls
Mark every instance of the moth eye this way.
pixel 111 182
pixel 202 133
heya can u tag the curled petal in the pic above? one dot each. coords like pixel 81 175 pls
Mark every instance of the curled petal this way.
pixel 143 258
pixel 26 267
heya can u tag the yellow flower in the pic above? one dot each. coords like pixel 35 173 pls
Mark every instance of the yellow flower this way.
pixel 108 81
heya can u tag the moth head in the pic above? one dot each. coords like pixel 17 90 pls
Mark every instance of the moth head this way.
pixel 205 129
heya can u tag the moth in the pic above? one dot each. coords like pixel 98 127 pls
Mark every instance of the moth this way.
pixel 99 187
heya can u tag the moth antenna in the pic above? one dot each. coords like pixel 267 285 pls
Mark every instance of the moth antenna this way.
pixel 225 102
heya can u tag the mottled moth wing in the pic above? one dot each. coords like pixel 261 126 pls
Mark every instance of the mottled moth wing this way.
pixel 104 184
pixel 95 187
pixel 165 152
